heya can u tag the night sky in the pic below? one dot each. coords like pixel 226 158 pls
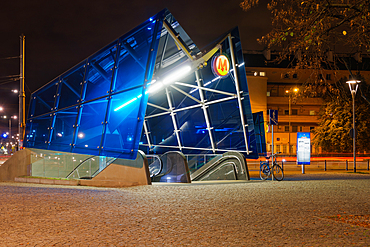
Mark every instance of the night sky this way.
pixel 59 34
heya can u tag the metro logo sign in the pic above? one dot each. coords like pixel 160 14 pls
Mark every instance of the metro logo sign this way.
pixel 221 66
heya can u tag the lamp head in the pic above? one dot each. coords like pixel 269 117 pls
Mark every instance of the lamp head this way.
pixel 353 85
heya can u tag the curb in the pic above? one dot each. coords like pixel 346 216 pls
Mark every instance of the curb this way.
pixel 47 181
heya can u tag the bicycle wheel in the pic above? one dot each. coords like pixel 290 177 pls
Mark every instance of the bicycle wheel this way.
pixel 264 171
pixel 277 172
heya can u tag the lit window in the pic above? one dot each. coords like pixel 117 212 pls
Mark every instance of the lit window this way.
pixel 268 94
pixel 262 73
pixel 312 112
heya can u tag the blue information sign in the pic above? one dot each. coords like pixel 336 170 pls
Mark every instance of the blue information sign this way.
pixel 273 117
pixel 303 148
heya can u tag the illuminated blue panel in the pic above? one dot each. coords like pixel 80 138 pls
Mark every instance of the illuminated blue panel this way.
pixel 85 110
pixel 71 85
pixel 193 129
pixel 99 72
pixel 44 99
pixel 37 132
pixel 121 130
pixel 61 135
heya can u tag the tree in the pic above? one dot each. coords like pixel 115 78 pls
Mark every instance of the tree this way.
pixel 310 30
pixel 335 117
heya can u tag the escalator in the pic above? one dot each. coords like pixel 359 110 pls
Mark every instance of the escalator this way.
pixel 173 167
pixel 228 166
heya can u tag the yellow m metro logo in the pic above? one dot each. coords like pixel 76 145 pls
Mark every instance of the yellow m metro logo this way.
pixel 221 66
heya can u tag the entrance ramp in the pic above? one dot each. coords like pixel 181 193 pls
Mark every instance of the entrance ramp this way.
pixel 228 166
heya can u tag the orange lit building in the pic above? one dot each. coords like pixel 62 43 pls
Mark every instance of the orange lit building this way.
pixel 273 87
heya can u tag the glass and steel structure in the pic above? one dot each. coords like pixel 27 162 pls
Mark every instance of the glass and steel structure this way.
pixel 151 89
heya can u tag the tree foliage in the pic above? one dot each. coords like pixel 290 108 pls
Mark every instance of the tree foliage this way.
pixel 335 117
pixel 308 29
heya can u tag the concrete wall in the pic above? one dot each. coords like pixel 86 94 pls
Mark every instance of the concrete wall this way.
pixel 17 165
pixel 116 175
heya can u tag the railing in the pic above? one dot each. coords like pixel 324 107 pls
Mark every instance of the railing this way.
pixel 196 161
pixel 322 165
pixel 67 165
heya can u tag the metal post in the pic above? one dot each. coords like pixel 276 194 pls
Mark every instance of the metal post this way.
pixel 205 113
pixel 325 166
pixel 290 112
pixel 367 164
pixel 238 92
pixel 272 139
pixel 22 96
pixel 354 131
pixel 346 165
pixel 10 128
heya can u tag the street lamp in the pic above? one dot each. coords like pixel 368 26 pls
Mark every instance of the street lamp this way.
pixel 289 92
pixel 353 86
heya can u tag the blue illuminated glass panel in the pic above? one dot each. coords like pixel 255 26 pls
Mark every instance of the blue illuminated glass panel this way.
pixel 63 130
pixel 90 129
pixel 121 129
pixel 99 72
pixel 193 129
pixel 37 132
pixel 71 85
pixel 79 106
pixel 45 99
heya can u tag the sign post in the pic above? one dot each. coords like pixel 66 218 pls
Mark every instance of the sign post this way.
pixel 303 149
pixel 273 120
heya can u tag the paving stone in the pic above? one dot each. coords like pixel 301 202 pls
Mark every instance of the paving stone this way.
pixel 301 211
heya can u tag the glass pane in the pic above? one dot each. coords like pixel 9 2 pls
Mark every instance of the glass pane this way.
pixel 71 87
pixel 161 131
pixel 63 129
pixel 90 127
pixel 225 118
pixel 100 70
pixel 193 129
pixel 122 135
pixel 45 98
pixel 37 132
pixel 133 58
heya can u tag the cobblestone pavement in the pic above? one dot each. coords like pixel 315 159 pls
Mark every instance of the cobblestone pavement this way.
pixel 295 212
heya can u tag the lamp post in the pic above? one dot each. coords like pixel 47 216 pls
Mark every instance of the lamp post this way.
pixel 289 92
pixel 353 86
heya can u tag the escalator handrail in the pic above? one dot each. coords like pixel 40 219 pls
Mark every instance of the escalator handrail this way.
pixel 210 167
pixel 160 163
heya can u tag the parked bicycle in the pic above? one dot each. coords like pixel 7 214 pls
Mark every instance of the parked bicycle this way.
pixel 266 170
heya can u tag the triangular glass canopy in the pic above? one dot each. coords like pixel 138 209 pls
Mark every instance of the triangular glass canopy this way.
pixel 151 89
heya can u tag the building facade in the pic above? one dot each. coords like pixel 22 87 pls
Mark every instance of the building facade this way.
pixel 276 87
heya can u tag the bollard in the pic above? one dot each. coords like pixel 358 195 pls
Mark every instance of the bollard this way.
pixel 367 164
pixel 346 165
pixel 282 165
pixel 325 166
